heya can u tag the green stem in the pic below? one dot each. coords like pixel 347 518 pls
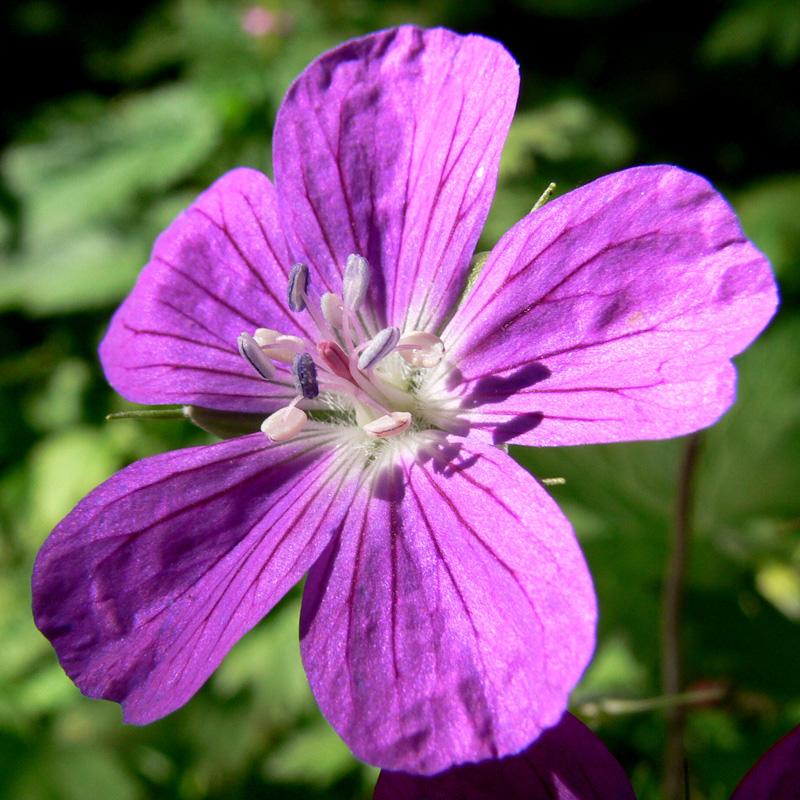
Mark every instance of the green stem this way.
pixel 672 600
pixel 617 706
pixel 151 413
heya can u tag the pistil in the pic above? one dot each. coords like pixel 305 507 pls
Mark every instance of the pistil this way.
pixel 348 370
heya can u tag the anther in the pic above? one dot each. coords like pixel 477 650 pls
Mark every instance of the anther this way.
pixel 332 309
pixel 388 425
pixel 420 348
pixel 335 359
pixel 284 424
pixel 356 281
pixel 255 356
pixel 378 348
pixel 298 286
pixel 304 372
pixel 278 346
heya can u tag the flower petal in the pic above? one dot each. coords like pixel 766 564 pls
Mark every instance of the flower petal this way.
pixel 452 620
pixel 218 270
pixel 146 585
pixel 388 147
pixel 776 775
pixel 567 762
pixel 611 314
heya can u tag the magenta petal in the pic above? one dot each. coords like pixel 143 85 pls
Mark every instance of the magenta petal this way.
pixel 218 270
pixel 452 618
pixel 388 147
pixel 567 762
pixel 146 585
pixel 776 775
pixel 611 314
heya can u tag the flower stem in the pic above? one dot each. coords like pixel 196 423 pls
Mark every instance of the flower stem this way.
pixel 672 598
pixel 151 413
pixel 617 706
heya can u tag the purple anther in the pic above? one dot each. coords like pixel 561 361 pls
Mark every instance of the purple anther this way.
pixel 356 281
pixel 255 356
pixel 304 372
pixel 378 348
pixel 335 359
pixel 298 286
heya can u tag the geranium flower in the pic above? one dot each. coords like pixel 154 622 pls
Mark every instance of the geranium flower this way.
pixel 448 610
pixel 568 762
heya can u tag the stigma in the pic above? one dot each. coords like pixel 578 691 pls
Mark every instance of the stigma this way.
pixel 371 374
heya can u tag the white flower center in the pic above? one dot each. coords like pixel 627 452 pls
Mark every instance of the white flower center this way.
pixel 374 375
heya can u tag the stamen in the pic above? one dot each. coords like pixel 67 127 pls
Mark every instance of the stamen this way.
pixel 356 281
pixel 332 309
pixel 420 348
pixel 284 424
pixel 378 348
pixel 304 372
pixel 255 356
pixel 389 425
pixel 335 359
pixel 298 286
pixel 279 346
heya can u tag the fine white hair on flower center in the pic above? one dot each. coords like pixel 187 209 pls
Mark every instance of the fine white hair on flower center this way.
pixel 358 377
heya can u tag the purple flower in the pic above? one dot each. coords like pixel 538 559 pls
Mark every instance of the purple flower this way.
pixel 776 775
pixel 448 610
pixel 568 762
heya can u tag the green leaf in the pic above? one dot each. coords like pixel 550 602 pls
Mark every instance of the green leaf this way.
pixel 768 213
pixel 749 471
pixel 91 773
pixel 63 468
pixel 759 26
pixel 313 755
pixel 88 213
pixel 61 402
pixel 92 168
pixel 579 8
pixel 567 128
pixel 267 664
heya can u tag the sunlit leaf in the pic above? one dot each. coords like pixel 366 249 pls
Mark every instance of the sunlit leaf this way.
pixel 63 468
pixel 780 584
pixel 80 190
pixel 267 664
pixel 92 168
pixel 313 755
pixel 768 212
pixel 568 128
pixel 759 26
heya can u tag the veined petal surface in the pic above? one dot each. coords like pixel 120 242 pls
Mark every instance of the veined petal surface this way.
pixel 388 147
pixel 148 583
pixel 567 762
pixel 611 314
pixel 220 269
pixel 452 618
pixel 776 775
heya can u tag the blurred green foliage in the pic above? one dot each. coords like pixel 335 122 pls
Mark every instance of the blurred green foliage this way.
pixel 137 107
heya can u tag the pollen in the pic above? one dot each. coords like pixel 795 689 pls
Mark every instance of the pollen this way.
pixel 348 365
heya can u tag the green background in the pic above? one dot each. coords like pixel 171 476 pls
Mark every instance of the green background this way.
pixel 115 116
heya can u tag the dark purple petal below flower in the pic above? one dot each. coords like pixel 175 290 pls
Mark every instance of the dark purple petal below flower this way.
pixel 220 269
pixel 567 762
pixel 453 616
pixel 388 147
pixel 776 775
pixel 146 585
pixel 611 314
